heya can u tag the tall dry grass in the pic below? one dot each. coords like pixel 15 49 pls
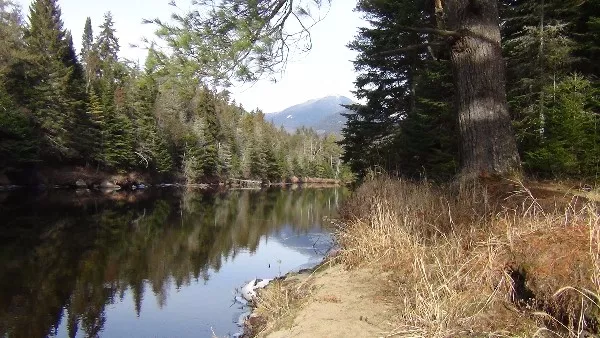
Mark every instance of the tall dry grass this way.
pixel 479 260
pixel 276 306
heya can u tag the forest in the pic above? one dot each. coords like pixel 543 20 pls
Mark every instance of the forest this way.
pixel 468 110
pixel 408 125
pixel 66 108
pixel 63 107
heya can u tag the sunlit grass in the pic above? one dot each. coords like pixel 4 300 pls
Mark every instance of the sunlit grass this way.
pixel 479 260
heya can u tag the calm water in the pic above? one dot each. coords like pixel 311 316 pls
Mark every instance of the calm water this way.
pixel 151 264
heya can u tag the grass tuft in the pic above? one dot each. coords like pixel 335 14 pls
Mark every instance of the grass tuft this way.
pixel 276 306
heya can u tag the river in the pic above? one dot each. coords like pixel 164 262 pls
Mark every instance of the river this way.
pixel 159 263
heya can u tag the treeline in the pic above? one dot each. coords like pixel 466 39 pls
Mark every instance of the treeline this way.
pixel 408 125
pixel 64 108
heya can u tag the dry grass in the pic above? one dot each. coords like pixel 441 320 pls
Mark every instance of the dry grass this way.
pixel 492 260
pixel 276 306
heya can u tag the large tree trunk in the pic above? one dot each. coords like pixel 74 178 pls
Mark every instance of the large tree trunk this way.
pixel 488 146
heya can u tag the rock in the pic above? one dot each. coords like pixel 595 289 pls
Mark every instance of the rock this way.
pixel 4 180
pixel 249 290
pixel 294 180
pixel 80 184
pixel 83 191
pixel 106 185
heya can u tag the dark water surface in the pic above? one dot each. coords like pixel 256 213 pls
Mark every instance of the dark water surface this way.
pixel 151 264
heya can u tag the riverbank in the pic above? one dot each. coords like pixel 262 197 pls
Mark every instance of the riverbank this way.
pixel 90 178
pixel 417 260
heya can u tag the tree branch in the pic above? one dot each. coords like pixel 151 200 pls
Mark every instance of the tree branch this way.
pixel 410 48
pixel 441 32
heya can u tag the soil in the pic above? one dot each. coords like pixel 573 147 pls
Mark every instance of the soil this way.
pixel 342 304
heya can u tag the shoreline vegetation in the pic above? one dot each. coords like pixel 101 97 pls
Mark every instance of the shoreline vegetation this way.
pixel 496 258
pixel 87 178
pixel 89 113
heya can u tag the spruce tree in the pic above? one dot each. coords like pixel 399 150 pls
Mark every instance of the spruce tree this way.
pixel 18 142
pixel 89 54
pixel 550 66
pixel 211 132
pixel 53 77
pixel 151 144
pixel 13 53
pixel 108 48
pixel 407 125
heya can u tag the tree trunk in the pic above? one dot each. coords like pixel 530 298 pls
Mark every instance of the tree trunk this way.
pixel 488 146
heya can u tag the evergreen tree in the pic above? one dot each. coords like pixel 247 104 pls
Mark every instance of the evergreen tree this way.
pixel 51 74
pixel 258 163
pixel 118 142
pixel 407 125
pixel 211 132
pixel 18 144
pixel 89 54
pixel 13 53
pixel 87 40
pixel 107 48
pixel 543 89
pixel 151 141
pixel 98 124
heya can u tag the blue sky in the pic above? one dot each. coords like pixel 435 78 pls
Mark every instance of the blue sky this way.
pixel 326 70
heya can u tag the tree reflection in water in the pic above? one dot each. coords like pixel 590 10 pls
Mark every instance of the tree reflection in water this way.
pixel 66 257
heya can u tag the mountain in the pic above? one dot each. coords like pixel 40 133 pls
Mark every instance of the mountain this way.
pixel 323 115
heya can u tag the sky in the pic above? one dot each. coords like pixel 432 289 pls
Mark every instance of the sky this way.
pixel 326 70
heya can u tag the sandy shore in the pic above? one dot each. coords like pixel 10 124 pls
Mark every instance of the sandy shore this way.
pixel 334 302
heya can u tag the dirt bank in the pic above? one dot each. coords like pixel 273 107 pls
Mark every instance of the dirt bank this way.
pixel 330 302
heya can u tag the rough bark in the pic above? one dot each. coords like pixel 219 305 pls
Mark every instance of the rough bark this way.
pixel 488 146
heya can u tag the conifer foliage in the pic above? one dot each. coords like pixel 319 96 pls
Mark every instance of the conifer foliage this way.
pixel 51 72
pixel 407 125
pixel 60 107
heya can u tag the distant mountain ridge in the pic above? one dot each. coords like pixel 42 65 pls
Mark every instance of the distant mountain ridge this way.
pixel 322 115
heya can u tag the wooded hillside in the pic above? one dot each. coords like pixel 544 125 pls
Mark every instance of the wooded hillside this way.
pixel 62 107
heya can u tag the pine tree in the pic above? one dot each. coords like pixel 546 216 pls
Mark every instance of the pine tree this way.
pixel 108 48
pixel 98 128
pixel 151 144
pixel 556 34
pixel 258 162
pixel 407 125
pixel 89 54
pixel 211 133
pixel 118 142
pixel 568 146
pixel 190 162
pixel 51 73
pixel 162 156
pixel 87 40
pixel 82 128
pixel 18 144
pixel 13 53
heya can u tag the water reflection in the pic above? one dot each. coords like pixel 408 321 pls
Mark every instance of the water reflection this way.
pixel 147 264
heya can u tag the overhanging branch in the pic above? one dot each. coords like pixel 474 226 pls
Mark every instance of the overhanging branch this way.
pixel 441 32
pixel 410 48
